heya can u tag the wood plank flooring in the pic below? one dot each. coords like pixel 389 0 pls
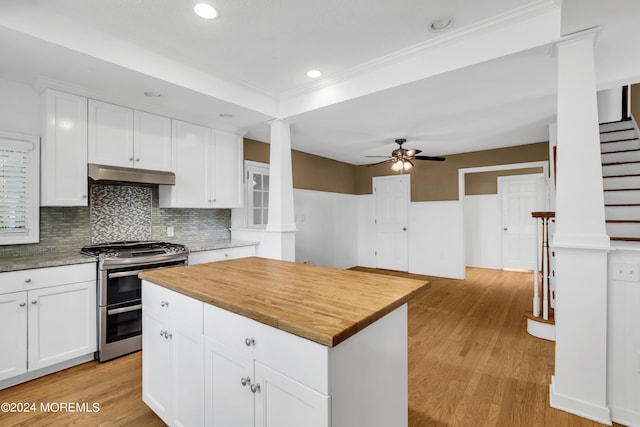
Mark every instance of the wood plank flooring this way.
pixel 471 363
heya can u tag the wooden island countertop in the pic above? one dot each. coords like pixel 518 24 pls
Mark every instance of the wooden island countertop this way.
pixel 322 304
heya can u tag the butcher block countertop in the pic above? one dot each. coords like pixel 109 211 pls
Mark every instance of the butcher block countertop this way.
pixel 322 304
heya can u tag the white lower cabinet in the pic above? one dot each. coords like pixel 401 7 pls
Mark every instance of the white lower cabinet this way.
pixel 172 356
pixel 255 375
pixel 221 254
pixel 49 320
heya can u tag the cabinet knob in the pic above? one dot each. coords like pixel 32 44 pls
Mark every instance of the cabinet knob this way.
pixel 249 342
pixel 255 388
pixel 245 381
pixel 137 159
pixel 35 301
pixel 164 303
pixel 161 333
pixel 131 159
pixel 27 280
pixel 22 304
pixel 168 335
pixel 84 196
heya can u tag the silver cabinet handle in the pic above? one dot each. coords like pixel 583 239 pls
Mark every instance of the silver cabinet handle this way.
pixel 162 333
pixel 27 280
pixel 124 309
pixel 164 303
pixel 168 335
pixel 249 342
pixel 34 301
pixel 245 381
pixel 255 388
pixel 22 304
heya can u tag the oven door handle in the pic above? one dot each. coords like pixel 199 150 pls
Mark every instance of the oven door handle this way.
pixel 124 274
pixel 124 309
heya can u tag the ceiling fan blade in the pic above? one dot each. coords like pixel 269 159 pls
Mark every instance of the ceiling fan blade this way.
pixel 380 156
pixel 437 159
pixel 379 163
pixel 413 152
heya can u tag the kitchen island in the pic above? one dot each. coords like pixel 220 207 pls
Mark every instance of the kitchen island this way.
pixel 263 342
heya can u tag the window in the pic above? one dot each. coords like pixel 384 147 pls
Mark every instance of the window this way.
pixel 257 194
pixel 19 189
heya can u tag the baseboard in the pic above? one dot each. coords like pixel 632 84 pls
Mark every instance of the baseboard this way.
pixel 9 382
pixel 626 417
pixel 578 407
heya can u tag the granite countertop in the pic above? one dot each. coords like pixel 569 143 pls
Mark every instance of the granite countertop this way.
pixel 210 245
pixel 41 260
pixel 55 258
pixel 322 304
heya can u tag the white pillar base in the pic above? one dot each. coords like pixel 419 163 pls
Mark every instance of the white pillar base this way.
pixel 601 414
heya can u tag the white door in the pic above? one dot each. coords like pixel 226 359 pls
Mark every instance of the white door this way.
pixel 228 380
pixel 13 329
pixel 283 402
pixel 391 195
pixel 62 323
pixel 156 367
pixel 188 378
pixel 110 136
pixel 520 195
pixel 152 141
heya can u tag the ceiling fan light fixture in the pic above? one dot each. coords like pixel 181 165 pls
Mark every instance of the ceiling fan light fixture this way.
pixel 397 166
pixel 407 165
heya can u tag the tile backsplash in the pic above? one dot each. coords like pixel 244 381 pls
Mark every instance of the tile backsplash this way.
pixel 121 211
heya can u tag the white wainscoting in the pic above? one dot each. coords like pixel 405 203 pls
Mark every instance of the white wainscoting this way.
pixel 366 231
pixel 482 231
pixel 436 239
pixel 623 352
pixel 327 225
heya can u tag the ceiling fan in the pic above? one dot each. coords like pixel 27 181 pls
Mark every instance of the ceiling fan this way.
pixel 402 158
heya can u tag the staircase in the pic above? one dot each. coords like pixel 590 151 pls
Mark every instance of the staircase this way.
pixel 620 150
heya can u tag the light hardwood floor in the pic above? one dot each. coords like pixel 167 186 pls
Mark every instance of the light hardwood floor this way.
pixel 471 363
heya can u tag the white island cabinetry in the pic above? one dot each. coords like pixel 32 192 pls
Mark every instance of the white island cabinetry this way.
pixel 200 257
pixel 172 356
pixel 291 374
pixel 49 317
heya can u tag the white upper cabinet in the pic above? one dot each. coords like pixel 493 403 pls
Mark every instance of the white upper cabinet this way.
pixel 64 150
pixel 208 168
pixel 228 160
pixel 151 141
pixel 120 136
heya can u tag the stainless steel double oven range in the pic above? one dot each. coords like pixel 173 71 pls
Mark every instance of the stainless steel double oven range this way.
pixel 120 290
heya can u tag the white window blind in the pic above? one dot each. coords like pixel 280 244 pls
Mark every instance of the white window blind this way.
pixel 18 191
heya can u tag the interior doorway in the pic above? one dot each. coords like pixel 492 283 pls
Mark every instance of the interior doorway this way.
pixel 391 200
pixel 519 196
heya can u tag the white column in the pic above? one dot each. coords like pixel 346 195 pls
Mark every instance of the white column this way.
pixel 281 225
pixel 581 244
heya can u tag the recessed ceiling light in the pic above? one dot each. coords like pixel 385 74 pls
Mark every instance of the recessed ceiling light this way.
pixel 225 115
pixel 441 24
pixel 152 94
pixel 205 11
pixel 314 74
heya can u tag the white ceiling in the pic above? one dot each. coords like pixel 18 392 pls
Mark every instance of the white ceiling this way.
pixel 488 82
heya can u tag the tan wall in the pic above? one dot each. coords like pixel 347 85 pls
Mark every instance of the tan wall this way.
pixel 635 101
pixel 487 182
pixel 310 172
pixel 432 181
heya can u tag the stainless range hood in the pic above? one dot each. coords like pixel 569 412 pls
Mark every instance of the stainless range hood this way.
pixel 145 176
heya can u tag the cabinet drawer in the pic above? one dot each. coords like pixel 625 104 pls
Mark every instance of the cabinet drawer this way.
pixel 299 358
pixel 24 280
pixel 221 254
pixel 182 312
